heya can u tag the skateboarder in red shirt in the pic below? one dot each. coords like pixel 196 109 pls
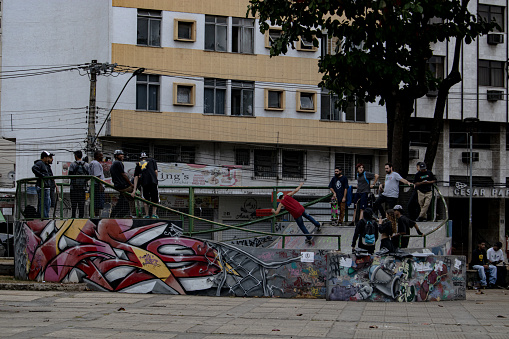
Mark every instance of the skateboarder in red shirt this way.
pixel 297 211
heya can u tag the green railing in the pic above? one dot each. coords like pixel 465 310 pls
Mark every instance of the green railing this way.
pixel 21 191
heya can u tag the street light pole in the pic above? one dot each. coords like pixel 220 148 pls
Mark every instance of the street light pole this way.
pixel 470 124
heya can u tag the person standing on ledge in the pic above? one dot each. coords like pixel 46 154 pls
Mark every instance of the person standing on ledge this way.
pixel 297 211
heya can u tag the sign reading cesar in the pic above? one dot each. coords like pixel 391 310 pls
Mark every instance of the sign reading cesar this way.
pixel 463 190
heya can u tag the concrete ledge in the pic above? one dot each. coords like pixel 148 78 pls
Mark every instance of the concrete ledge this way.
pixel 34 286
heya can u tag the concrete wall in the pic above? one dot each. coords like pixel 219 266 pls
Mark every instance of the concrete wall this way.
pixel 388 278
pixel 152 256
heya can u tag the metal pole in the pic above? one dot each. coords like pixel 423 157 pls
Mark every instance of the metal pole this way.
pixel 191 210
pixel 470 200
pixel 92 109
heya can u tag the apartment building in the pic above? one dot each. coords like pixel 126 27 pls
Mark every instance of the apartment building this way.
pixel 212 107
pixel 482 94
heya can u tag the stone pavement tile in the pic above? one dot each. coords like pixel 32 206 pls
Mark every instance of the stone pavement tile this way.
pixel 498 335
pixel 230 329
pixel 495 329
pixel 144 335
pixel 314 332
pixel 203 328
pixel 423 335
pixel 13 331
pixel 371 333
pixel 171 327
pixel 18 298
pixel 396 334
pixel 374 318
pixel 98 301
pixel 81 333
pixel 321 316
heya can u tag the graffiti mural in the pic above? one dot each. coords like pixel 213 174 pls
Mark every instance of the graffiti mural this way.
pixel 391 278
pixel 149 256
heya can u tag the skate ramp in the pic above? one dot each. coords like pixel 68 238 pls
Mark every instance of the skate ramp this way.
pixel 324 242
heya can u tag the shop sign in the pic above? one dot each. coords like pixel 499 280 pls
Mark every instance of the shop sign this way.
pixel 463 190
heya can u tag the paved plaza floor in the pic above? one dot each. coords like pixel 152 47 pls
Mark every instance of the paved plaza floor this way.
pixel 36 314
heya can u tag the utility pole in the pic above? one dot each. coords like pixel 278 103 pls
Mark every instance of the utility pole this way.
pixel 94 69
pixel 92 109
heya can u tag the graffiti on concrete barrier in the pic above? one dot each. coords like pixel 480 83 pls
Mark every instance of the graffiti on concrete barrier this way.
pixel 147 256
pixel 390 278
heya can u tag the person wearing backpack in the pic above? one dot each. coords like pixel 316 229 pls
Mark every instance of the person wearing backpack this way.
pixel 78 185
pixel 366 232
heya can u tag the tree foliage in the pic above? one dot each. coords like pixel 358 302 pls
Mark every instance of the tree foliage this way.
pixel 383 51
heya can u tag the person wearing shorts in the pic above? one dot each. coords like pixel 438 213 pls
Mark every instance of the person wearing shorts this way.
pixel 363 188
pixel 146 174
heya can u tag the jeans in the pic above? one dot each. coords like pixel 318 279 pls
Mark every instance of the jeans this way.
pixel 47 202
pixel 300 223
pixel 78 202
pixel 377 206
pixel 482 274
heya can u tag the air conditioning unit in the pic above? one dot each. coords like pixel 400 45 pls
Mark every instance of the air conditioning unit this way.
pixel 495 95
pixel 465 156
pixel 495 38
pixel 432 94
pixel 413 154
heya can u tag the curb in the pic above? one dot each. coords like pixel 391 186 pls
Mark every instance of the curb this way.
pixel 30 286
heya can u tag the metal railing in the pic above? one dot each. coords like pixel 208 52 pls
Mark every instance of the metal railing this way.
pixel 24 184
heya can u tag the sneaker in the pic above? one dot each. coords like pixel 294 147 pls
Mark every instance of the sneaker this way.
pixel 155 216
pixel 309 241
pixel 146 217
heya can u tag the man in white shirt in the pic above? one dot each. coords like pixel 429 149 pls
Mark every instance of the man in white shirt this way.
pixel 390 190
pixel 96 169
pixel 495 257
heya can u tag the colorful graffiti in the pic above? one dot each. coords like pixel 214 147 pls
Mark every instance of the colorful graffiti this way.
pixel 147 256
pixel 391 278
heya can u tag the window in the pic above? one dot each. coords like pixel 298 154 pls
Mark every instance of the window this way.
pixel 187 154
pixel 436 66
pixel 184 30
pixel 183 94
pixel 216 31
pixel 305 44
pixel 149 28
pixel 491 73
pixel 306 102
pixel 330 45
pixel 265 163
pixel 271 35
pixel 484 135
pixel 242 98
pixel 420 131
pixel 274 99
pixel 132 151
pixel 293 164
pixel 355 111
pixel 215 96
pixel 166 153
pixel 345 161
pixel 329 110
pixel 242 35
pixel 147 92
pixel 242 157
pixel 492 13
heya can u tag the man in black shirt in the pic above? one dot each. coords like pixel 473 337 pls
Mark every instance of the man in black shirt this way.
pixel 40 169
pixel 481 264
pixel 423 182
pixel 146 174
pixel 404 226
pixel 339 187
pixel 122 184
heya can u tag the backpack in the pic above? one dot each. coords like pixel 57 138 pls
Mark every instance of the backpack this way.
pixel 80 170
pixel 349 195
pixel 369 233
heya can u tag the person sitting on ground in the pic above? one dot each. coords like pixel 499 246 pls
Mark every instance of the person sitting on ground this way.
pixel 496 258
pixel 404 226
pixel 481 264
pixel 296 210
pixel 387 228
pixel 366 231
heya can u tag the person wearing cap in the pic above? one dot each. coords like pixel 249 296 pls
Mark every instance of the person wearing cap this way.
pixel 496 258
pixel 40 170
pixel 296 210
pixel 122 184
pixel 339 187
pixel 480 263
pixel 145 173
pixel 423 182
pixel 390 190
pixel 78 186
pixel 404 226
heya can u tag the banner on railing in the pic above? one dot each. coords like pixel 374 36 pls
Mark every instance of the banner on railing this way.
pixel 170 174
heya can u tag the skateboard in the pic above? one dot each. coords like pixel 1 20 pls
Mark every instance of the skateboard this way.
pixel 334 212
pixel 316 230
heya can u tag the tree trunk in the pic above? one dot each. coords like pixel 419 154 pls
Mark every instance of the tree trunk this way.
pixel 399 110
pixel 452 79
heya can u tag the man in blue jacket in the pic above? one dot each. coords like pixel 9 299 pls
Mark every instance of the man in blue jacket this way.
pixel 40 169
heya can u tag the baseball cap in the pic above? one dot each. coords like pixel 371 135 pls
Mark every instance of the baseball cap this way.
pixel 422 165
pixel 118 152
pixel 280 195
pixel 143 155
pixel 398 208
pixel 45 154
